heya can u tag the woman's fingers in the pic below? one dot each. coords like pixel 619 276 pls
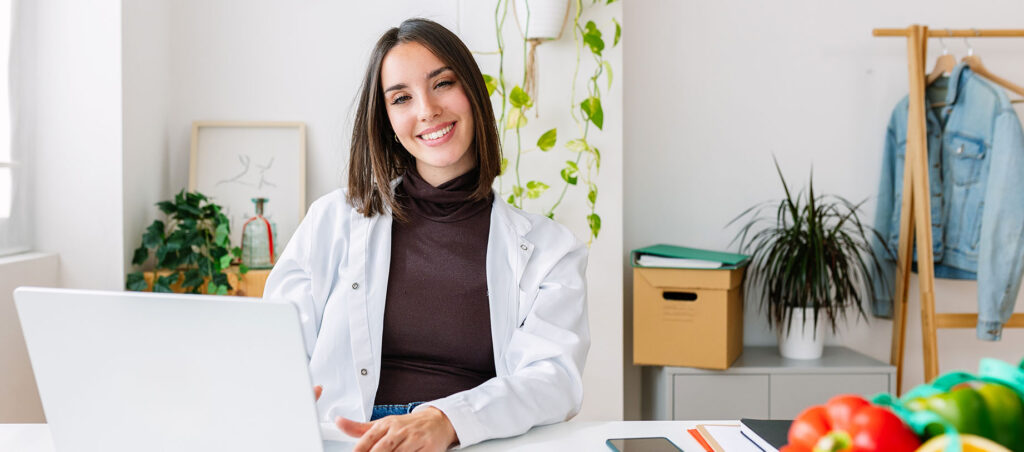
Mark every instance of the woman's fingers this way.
pixel 317 390
pixel 369 438
pixel 352 428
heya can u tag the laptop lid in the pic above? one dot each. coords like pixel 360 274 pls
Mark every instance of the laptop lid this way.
pixel 130 371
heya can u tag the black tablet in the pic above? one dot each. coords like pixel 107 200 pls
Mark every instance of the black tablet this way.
pixel 655 444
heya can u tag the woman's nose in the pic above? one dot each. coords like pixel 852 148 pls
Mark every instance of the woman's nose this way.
pixel 429 109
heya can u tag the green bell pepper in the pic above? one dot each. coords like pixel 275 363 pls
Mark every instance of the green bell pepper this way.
pixel 993 411
pixel 1006 411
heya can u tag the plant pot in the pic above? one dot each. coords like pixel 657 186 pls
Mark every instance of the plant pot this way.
pixel 176 287
pixel 804 341
pixel 547 17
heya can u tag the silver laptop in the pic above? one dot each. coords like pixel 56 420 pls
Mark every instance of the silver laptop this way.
pixel 129 371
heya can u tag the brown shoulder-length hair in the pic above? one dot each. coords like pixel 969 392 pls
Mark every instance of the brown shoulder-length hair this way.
pixel 376 158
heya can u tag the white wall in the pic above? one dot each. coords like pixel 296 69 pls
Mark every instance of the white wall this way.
pixel 303 61
pixel 713 89
pixel 146 48
pixel 71 91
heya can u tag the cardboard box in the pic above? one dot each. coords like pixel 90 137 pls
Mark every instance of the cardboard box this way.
pixel 686 317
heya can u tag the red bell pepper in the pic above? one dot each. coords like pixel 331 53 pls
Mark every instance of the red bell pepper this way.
pixel 849 423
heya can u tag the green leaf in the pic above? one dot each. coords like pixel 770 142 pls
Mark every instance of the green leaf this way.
pixel 592 37
pixel 205 266
pixel 136 282
pixel 186 208
pixel 517 191
pixel 535 188
pixel 597 157
pixel 511 199
pixel 608 72
pixel 569 172
pixel 164 283
pixel 225 261
pixel 221 279
pixel 504 165
pixel 519 98
pixel 167 207
pixel 243 269
pixel 221 235
pixel 222 290
pixel 547 140
pixel 592 194
pixel 516 119
pixel 140 256
pixel 592 108
pixel 579 145
pixel 491 84
pixel 618 32
pixel 192 279
pixel 594 220
pixel 154 235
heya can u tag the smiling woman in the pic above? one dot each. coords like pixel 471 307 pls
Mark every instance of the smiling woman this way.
pixel 434 314
pixel 421 79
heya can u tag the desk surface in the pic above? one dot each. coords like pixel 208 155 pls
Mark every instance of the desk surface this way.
pixel 582 436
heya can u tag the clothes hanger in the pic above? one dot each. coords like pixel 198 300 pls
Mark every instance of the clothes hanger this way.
pixel 943 65
pixel 974 62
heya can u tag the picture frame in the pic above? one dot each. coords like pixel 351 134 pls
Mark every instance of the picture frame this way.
pixel 233 162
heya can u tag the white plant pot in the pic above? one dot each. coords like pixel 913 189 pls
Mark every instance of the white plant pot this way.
pixel 804 341
pixel 547 17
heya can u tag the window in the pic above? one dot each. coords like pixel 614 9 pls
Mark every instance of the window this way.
pixel 14 214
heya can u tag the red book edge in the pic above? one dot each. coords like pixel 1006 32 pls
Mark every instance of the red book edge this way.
pixel 700 439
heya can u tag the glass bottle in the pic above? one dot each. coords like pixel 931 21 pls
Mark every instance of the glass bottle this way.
pixel 259 236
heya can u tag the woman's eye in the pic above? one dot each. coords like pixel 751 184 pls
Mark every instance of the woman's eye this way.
pixel 400 100
pixel 444 83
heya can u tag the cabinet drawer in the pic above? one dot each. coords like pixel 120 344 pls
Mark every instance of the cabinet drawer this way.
pixel 719 397
pixel 791 394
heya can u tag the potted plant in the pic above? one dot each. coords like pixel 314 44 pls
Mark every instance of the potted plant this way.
pixel 810 264
pixel 192 250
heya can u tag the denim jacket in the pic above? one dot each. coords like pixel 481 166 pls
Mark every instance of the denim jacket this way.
pixel 976 177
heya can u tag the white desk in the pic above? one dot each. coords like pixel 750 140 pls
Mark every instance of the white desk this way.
pixel 581 436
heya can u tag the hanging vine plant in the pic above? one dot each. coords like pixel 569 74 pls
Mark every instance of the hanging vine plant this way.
pixel 584 163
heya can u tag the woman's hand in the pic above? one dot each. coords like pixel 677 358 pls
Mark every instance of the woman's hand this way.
pixel 427 429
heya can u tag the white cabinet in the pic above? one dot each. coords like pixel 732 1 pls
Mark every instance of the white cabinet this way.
pixel 761 385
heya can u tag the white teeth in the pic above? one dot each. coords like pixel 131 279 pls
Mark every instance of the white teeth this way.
pixel 439 133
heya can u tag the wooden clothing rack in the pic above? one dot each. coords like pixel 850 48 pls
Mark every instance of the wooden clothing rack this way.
pixel 915 213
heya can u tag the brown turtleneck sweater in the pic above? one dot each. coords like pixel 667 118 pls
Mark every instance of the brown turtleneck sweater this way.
pixel 437 327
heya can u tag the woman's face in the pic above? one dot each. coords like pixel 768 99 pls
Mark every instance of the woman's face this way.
pixel 429 112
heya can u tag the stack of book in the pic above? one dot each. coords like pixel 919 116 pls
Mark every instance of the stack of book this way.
pixel 750 435
pixel 671 256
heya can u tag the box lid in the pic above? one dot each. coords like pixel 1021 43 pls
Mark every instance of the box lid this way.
pixel 730 261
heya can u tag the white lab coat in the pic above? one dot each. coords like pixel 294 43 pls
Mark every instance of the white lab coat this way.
pixel 335 269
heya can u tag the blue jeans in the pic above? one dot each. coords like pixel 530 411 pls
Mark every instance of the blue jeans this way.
pixel 380 411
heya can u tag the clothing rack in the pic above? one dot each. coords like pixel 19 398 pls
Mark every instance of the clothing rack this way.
pixel 915 213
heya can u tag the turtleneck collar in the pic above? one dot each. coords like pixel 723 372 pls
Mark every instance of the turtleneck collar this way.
pixel 446 203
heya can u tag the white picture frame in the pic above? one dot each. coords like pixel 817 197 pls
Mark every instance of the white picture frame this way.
pixel 234 161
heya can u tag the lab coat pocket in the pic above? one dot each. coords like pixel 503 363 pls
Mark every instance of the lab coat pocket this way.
pixel 524 305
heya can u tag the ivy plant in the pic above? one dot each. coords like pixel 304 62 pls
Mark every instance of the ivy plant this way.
pixel 194 244
pixel 584 161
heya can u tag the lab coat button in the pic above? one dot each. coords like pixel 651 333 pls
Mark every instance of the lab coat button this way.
pixel 363 371
pixel 523 247
pixel 355 285
pixel 960 150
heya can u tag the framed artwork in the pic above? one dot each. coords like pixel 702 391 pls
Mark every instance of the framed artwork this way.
pixel 233 162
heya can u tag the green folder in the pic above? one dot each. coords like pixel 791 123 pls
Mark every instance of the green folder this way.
pixel 730 261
